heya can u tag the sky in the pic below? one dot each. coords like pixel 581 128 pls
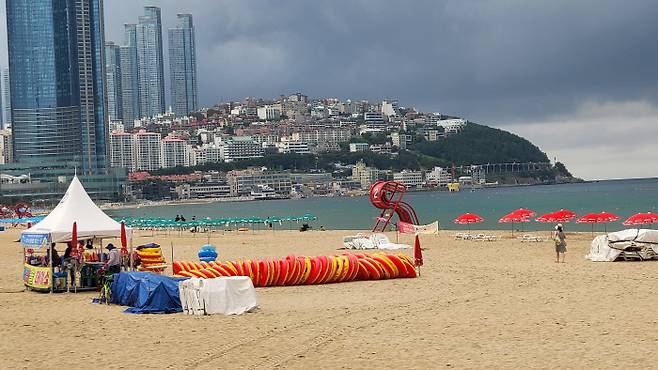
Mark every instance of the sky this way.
pixel 577 78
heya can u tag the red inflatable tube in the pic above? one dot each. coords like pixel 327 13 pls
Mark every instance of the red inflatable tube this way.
pixel 370 270
pixel 176 267
pixel 326 270
pixel 283 272
pixel 292 277
pixel 362 273
pixel 387 266
pixel 381 274
pixel 246 268
pixel 314 274
pixel 263 273
pixel 399 265
pixel 255 269
pixel 274 272
pixel 197 273
pixel 238 268
pixel 305 263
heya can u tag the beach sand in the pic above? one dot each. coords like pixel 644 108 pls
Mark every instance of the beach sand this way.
pixel 502 304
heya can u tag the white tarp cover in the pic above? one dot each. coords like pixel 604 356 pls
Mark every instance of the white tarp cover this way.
pixel 606 248
pixel 233 295
pixel 77 206
pixel 374 241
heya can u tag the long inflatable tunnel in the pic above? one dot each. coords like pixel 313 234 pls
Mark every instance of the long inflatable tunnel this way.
pixel 304 270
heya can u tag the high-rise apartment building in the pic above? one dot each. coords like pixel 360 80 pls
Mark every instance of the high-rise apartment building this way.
pixel 57 89
pixel 90 42
pixel 45 86
pixel 122 150
pixel 174 153
pixel 182 66
pixel 150 62
pixel 147 151
pixel 113 77
pixel 6 97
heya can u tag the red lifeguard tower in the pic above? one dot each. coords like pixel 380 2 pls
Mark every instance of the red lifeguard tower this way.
pixel 387 196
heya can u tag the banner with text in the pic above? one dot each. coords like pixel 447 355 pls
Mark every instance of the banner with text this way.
pixel 407 228
pixel 37 277
pixel 35 240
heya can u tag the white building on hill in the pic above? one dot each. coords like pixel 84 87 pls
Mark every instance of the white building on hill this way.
pixel 412 179
pixel 147 152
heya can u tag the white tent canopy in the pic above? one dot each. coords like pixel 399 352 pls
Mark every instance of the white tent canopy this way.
pixel 77 206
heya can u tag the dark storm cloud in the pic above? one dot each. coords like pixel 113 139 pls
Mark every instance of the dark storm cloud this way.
pixel 488 60
pixel 517 64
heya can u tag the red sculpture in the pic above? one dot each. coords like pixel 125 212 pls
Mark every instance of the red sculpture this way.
pixel 387 196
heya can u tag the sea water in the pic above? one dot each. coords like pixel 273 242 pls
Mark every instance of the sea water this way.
pixel 622 197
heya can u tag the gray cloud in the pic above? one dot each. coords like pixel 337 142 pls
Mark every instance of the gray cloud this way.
pixel 502 63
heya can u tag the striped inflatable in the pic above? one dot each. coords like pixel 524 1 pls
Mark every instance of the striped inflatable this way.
pixel 303 270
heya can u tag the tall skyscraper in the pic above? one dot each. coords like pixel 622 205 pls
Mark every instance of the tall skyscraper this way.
pixel 6 97
pixel 150 63
pixel 56 63
pixel 129 77
pixel 182 66
pixel 113 78
pixel 91 69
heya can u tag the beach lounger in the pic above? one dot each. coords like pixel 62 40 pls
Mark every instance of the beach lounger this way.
pixel 531 238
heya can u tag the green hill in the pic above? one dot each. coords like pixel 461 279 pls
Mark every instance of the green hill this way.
pixel 477 144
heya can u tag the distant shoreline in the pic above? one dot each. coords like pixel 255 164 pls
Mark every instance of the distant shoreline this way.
pixel 146 204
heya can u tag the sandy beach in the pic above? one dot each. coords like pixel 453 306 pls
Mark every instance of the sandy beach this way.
pixel 501 304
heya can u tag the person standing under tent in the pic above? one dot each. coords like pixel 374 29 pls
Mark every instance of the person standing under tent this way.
pixel 54 257
pixel 113 264
pixel 560 243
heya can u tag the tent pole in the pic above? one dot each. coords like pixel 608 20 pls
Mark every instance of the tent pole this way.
pixel 50 264
pixel 130 257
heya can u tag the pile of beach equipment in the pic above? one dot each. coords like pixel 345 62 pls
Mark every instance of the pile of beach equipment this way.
pixel 151 258
pixel 304 270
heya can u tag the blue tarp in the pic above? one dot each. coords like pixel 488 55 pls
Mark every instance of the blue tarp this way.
pixel 146 292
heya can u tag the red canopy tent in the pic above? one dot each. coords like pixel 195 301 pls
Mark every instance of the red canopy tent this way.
pixel 642 218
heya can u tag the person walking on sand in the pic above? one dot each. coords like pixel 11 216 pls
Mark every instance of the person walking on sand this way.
pixel 560 243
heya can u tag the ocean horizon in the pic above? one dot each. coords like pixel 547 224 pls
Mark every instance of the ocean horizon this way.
pixel 623 197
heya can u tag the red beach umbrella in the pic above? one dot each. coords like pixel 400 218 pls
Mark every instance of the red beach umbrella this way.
pixel 524 212
pixel 642 218
pixel 518 216
pixel 418 253
pixel 563 215
pixel 606 217
pixel 124 239
pixel 589 218
pixel 596 218
pixel 468 218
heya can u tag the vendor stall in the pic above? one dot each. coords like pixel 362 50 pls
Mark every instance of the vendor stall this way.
pixel 75 218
